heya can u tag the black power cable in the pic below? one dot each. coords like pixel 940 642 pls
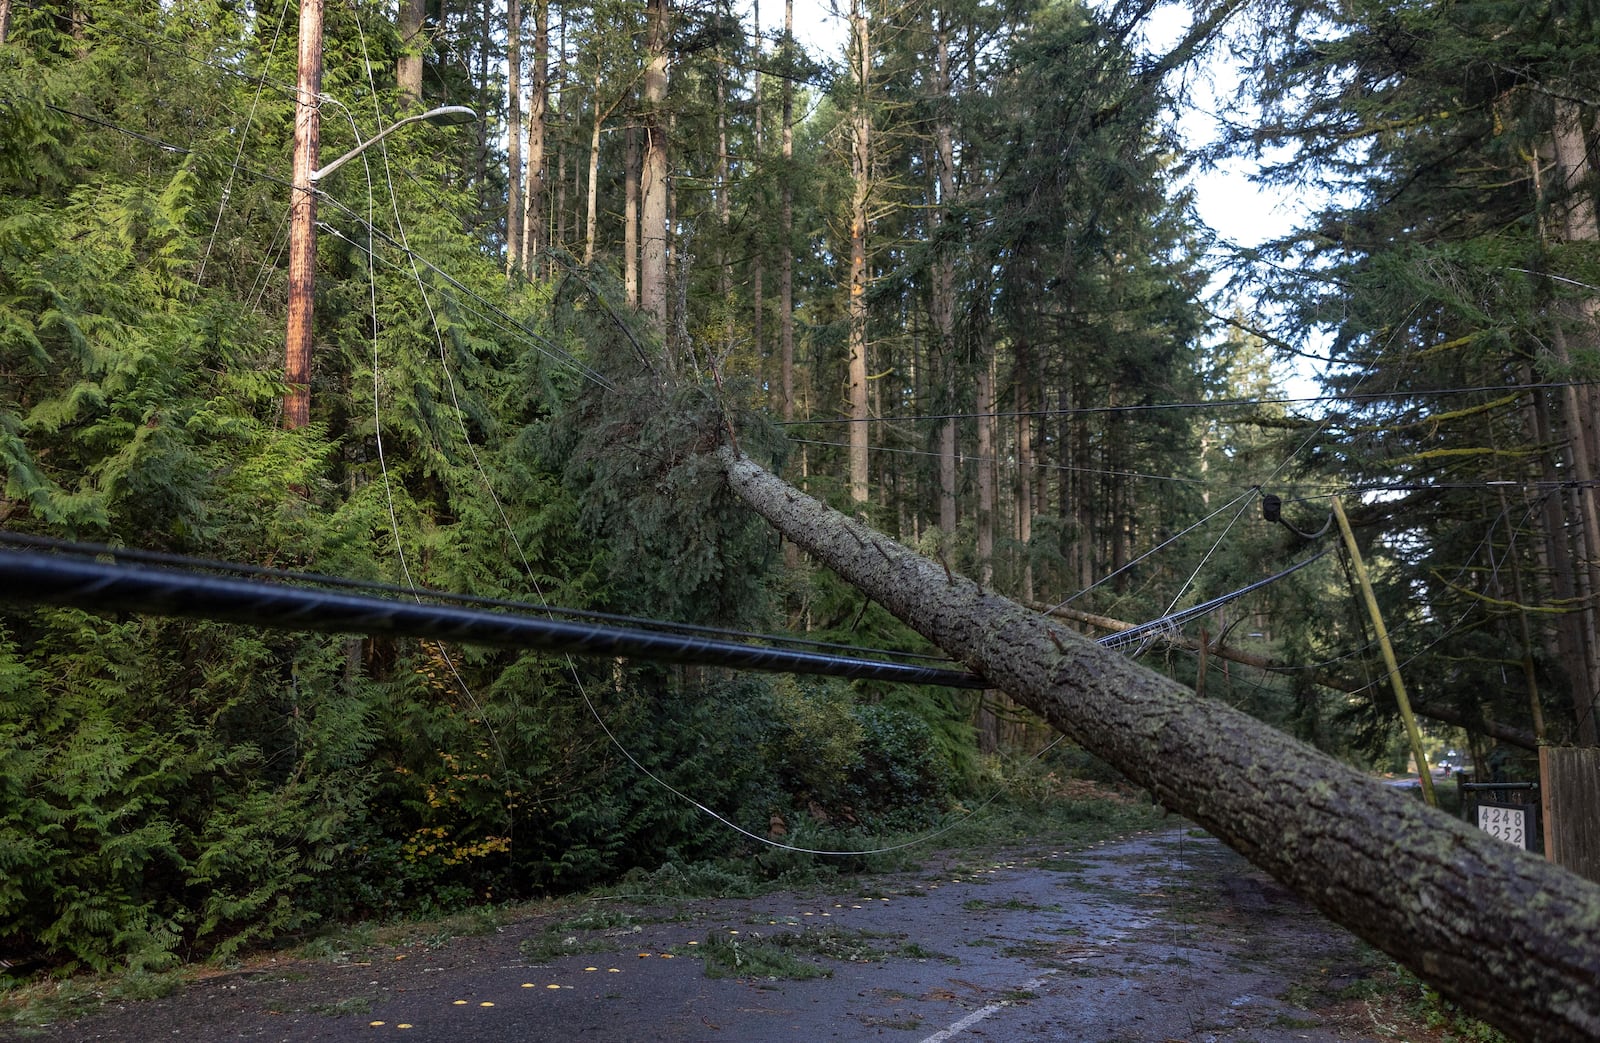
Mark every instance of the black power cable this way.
pixel 28 577
pixel 184 561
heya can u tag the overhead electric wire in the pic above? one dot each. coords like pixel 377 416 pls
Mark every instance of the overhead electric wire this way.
pixel 1181 616
pixel 238 157
pixel 1163 545
pixel 148 557
pixel 972 458
pixel 1220 403
pixel 32 578
pixel 507 322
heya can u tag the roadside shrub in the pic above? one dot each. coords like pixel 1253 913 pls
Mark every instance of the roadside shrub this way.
pixel 899 781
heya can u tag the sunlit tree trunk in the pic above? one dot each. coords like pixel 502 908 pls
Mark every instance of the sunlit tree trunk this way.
pixel 944 277
pixel 514 207
pixel 559 212
pixel 408 67
pixel 986 462
pixel 786 225
pixel 1021 380
pixel 758 263
pixel 485 14
pixel 591 202
pixel 630 216
pixel 724 212
pixel 860 192
pixel 653 176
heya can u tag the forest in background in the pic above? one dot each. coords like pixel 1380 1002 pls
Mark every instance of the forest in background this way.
pixel 950 278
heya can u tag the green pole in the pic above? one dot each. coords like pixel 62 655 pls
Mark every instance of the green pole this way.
pixel 1413 733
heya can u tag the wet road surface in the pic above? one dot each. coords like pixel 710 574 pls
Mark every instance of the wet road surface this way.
pixel 1165 936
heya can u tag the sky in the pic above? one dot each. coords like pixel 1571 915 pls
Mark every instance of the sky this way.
pixel 1238 211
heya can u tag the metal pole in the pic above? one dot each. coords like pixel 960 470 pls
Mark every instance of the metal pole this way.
pixel 1413 733
pixel 303 220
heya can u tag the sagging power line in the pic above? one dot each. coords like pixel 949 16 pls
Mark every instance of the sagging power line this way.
pixel 33 577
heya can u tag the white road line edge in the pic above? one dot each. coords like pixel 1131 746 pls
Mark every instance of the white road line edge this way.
pixel 983 1012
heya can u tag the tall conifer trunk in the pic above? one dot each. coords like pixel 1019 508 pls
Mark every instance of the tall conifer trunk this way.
pixel 630 216
pixel 592 197
pixel 986 454
pixel 786 223
pixel 514 206
pixel 1575 221
pixel 1020 380
pixel 408 67
pixel 758 262
pixel 944 277
pixel 534 211
pixel 653 177
pixel 724 211
pixel 860 191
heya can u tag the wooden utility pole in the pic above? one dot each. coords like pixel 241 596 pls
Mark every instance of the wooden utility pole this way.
pixel 1457 906
pixel 1413 734
pixel 303 219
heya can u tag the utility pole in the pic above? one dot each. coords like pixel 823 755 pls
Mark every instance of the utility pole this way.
pixel 1413 733
pixel 303 219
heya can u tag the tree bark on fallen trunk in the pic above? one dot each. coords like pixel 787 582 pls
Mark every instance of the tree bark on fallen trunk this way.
pixel 1509 937
pixel 1519 737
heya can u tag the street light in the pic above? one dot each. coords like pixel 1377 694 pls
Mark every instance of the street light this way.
pixel 303 232
pixel 444 116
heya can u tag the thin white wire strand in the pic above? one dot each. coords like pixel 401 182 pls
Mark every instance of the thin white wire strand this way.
pixel 1243 506
pixel 238 157
pixel 444 654
pixel 965 457
pixel 1152 551
pixel 269 264
pixel 538 591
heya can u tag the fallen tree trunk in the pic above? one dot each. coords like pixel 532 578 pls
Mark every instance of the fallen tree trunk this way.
pixel 1519 737
pixel 1507 936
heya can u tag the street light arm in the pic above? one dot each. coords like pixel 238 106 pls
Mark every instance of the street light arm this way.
pixel 444 116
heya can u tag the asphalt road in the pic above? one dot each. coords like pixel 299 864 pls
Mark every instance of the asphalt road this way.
pixel 1166 937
